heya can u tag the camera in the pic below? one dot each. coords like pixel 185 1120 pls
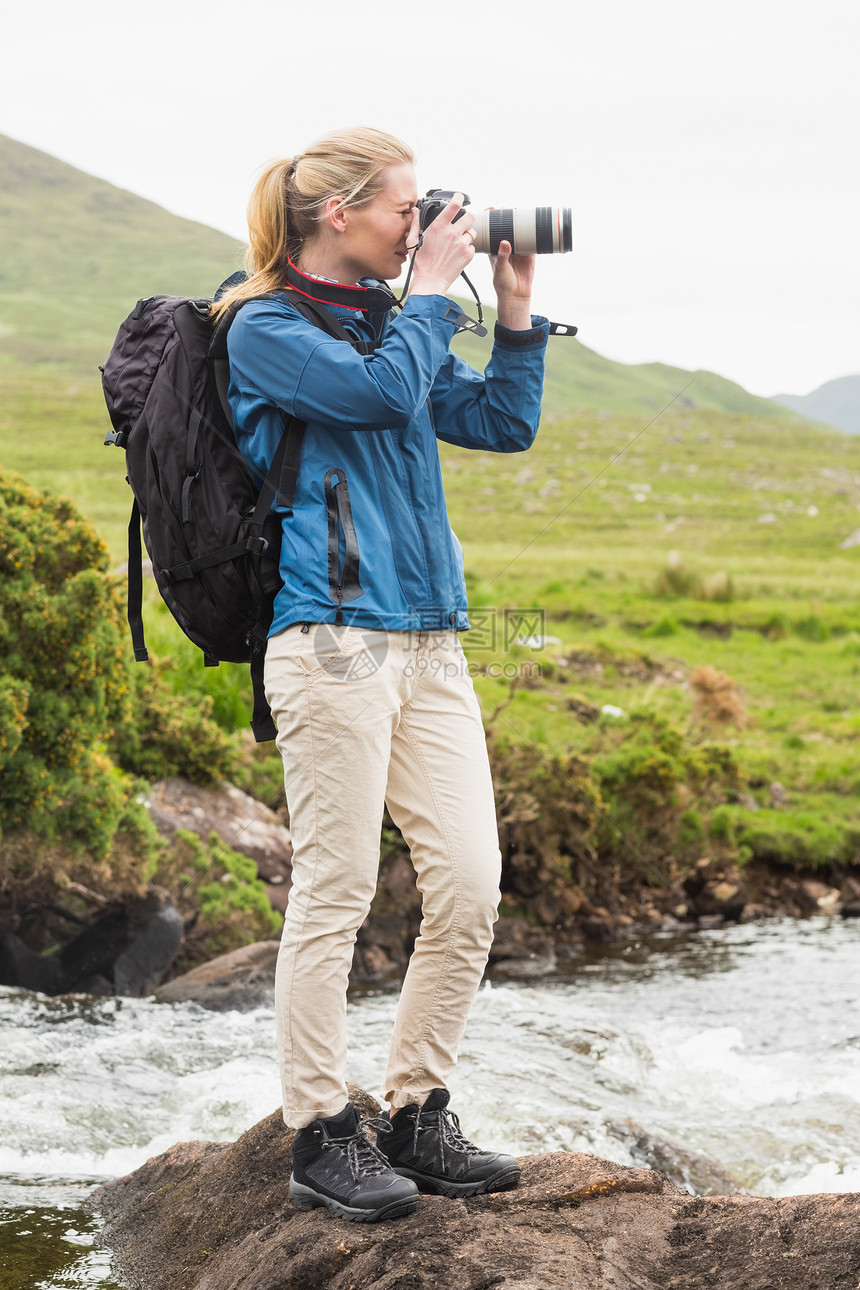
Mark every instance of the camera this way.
pixel 539 230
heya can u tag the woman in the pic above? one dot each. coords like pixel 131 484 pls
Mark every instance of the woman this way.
pixel 365 674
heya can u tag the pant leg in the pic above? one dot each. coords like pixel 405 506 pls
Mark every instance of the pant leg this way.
pixel 440 795
pixel 336 702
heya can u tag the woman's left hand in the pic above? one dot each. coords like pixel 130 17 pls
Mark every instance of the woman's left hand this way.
pixel 513 276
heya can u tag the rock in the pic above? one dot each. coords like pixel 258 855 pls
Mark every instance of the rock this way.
pixel 819 898
pixel 240 821
pixel 707 922
pixel 689 1170
pixel 238 981
pixel 217 1216
pixel 850 889
pixel 611 710
pixel 126 949
pixel 778 795
pixel 715 892
pixel 386 938
pixel 22 967
pixel 140 967
pixel 580 707
pixel 805 896
pixel 372 962
pixel 519 950
pixel 754 913
pixel 725 898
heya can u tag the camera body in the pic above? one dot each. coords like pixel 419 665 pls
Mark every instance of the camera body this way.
pixel 434 203
pixel 538 230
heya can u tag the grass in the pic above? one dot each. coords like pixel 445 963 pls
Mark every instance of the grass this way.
pixel 643 569
pixel 650 561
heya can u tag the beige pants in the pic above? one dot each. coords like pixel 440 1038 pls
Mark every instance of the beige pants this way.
pixel 368 718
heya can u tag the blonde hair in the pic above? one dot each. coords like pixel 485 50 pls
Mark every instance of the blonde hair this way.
pixel 288 201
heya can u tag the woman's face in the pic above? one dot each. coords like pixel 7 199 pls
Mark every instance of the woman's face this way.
pixel 373 241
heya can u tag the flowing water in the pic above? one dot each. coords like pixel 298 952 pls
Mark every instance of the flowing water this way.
pixel 729 1059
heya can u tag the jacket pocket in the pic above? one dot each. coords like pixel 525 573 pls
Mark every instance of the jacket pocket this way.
pixel 343 558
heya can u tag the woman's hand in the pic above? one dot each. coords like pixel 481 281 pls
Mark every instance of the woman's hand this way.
pixel 446 250
pixel 513 276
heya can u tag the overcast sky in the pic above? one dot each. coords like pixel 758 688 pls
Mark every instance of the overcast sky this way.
pixel 709 152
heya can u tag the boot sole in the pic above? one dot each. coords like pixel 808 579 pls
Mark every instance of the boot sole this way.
pixel 303 1197
pixel 446 1187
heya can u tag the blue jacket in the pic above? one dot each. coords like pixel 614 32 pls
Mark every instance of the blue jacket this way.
pixel 368 541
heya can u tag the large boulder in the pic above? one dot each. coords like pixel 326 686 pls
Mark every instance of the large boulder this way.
pixel 217 1216
pixel 127 949
pixel 238 981
pixel 240 821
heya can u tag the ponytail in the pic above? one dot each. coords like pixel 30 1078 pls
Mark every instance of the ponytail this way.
pixel 289 198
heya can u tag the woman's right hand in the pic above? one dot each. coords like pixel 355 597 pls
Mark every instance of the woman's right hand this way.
pixel 446 250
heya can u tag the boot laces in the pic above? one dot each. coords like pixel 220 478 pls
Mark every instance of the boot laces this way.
pixel 447 1127
pixel 364 1159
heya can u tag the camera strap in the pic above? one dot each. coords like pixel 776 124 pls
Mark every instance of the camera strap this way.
pixel 464 322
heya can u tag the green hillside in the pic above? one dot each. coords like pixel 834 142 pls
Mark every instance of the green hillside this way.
pixel 580 380
pixel 77 254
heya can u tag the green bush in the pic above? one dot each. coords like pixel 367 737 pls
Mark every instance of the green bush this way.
pixel 811 628
pixel 665 626
pixel 547 806
pixel 65 684
pixel 172 733
pixel 78 718
pixel 722 825
pixel 223 901
pixel 638 809
pixel 777 627
pixel 662 788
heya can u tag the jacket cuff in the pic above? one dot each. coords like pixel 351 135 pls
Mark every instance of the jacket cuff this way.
pixel 538 334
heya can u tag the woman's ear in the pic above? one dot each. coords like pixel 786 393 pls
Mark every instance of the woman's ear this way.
pixel 336 215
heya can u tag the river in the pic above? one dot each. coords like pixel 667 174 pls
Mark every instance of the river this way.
pixel 730 1059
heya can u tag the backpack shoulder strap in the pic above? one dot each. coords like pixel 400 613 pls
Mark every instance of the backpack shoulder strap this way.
pixel 280 482
pixel 312 310
pixel 321 317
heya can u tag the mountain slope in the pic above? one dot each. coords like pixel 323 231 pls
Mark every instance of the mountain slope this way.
pixel 580 380
pixel 836 403
pixel 79 252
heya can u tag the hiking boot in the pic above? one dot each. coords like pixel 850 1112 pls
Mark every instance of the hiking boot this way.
pixel 427 1145
pixel 334 1164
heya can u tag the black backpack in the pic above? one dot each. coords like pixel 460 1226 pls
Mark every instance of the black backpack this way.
pixel 206 514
